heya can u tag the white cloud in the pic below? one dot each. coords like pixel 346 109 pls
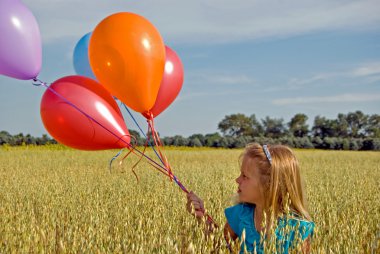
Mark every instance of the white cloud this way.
pixel 214 93
pixel 328 99
pixel 367 70
pixel 297 82
pixel 188 96
pixel 212 21
pixel 219 79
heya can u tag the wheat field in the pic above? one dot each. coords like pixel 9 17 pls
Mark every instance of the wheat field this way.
pixel 59 200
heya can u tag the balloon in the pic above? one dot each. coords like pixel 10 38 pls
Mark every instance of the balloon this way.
pixel 80 58
pixel 20 41
pixel 71 127
pixel 127 55
pixel 171 83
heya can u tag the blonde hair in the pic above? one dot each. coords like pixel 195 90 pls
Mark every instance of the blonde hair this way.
pixel 281 181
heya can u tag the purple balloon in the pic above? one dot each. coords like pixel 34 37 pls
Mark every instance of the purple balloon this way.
pixel 20 41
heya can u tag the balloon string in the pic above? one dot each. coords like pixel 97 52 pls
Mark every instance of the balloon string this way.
pixel 159 168
pixel 133 167
pixel 131 150
pixel 113 158
pixel 141 156
pixel 38 82
pixel 142 132
pixel 117 155
pixel 159 146
pixel 147 138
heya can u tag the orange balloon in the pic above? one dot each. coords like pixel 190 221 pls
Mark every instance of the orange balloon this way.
pixel 127 56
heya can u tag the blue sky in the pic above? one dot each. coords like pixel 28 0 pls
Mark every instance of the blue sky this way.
pixel 269 58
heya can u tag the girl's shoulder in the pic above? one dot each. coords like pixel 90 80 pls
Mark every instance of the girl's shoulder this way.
pixel 239 211
pixel 239 216
pixel 240 219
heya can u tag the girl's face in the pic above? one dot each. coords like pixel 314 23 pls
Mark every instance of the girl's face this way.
pixel 249 186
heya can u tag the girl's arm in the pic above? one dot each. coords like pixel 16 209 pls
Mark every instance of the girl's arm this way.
pixel 306 246
pixel 229 234
pixel 229 237
pixel 195 206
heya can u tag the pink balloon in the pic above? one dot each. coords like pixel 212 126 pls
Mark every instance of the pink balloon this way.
pixel 171 83
pixel 71 127
pixel 20 41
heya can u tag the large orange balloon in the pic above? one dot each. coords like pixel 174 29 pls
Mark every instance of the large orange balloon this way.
pixel 127 56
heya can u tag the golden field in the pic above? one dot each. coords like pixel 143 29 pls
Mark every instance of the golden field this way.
pixel 58 200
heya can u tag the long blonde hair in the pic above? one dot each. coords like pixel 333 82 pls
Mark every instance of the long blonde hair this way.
pixel 281 181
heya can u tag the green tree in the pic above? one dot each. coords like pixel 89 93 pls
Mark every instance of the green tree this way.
pixel 257 128
pixel 236 125
pixel 44 140
pixel 135 137
pixel 239 142
pixel 373 126
pixel 134 133
pixel 324 127
pixel 18 139
pixel 168 141
pixel 273 127
pixel 357 122
pixel 29 140
pixel 298 126
pixel 211 139
pixel 341 126
pixel 200 137
pixel 5 137
pixel 222 142
pixel 180 141
pixel 195 142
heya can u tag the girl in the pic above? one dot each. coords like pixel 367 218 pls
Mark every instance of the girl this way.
pixel 271 203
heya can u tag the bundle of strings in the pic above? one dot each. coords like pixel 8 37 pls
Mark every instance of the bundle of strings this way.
pixel 158 145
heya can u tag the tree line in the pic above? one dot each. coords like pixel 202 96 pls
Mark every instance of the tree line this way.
pixel 351 131
pixel 21 139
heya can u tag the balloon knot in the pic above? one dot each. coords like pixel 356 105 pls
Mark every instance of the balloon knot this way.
pixel 148 115
pixel 37 82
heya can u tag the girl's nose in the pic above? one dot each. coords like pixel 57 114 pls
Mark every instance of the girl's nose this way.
pixel 237 179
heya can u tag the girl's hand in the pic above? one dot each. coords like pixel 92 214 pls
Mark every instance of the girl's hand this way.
pixel 195 205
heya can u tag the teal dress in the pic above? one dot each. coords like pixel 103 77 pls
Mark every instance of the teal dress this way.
pixel 240 218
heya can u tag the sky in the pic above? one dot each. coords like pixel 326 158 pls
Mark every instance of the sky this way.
pixel 269 58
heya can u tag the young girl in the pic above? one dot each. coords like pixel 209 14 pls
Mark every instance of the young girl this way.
pixel 271 203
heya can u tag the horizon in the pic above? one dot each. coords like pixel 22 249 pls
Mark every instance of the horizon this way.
pixel 285 124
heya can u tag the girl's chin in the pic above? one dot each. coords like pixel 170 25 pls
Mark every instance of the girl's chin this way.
pixel 235 198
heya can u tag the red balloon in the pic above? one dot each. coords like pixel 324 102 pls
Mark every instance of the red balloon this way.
pixel 171 83
pixel 71 127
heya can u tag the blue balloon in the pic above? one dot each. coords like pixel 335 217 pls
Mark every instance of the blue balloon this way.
pixel 81 63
